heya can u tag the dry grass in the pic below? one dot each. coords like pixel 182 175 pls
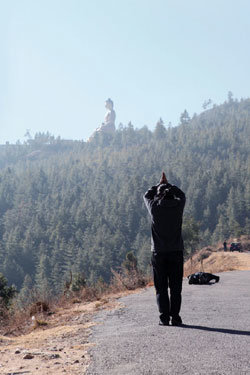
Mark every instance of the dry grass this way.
pixel 44 312
pixel 128 280
pixel 213 259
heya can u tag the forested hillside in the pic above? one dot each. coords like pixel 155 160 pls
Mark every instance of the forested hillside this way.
pixel 71 205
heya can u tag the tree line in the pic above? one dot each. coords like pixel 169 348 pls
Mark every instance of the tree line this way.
pixel 74 206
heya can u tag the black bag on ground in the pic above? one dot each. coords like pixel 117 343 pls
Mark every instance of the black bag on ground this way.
pixel 202 278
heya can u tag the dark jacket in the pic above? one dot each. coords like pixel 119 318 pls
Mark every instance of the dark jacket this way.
pixel 166 216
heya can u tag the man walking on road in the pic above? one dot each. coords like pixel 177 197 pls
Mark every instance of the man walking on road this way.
pixel 165 203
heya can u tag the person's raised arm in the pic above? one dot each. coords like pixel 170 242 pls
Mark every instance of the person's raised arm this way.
pixel 178 193
pixel 152 192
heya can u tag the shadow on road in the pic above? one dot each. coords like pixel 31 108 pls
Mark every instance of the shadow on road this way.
pixel 222 330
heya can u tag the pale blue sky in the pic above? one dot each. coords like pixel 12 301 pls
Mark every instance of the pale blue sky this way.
pixel 61 59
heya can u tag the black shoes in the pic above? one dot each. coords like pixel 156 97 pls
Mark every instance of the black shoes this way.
pixel 164 322
pixel 176 321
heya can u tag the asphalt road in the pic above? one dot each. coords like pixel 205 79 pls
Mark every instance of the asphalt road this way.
pixel 214 340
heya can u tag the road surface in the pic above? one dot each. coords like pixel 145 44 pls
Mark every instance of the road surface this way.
pixel 215 339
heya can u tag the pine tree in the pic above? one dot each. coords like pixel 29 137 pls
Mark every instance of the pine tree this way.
pixel 185 118
pixel 6 292
pixel 160 130
pixel 25 294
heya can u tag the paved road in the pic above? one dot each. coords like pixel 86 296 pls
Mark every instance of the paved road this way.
pixel 215 339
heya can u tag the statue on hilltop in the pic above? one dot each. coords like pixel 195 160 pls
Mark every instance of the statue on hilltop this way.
pixel 108 126
pixel 109 119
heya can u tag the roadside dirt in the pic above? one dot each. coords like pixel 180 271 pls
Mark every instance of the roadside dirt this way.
pixel 60 347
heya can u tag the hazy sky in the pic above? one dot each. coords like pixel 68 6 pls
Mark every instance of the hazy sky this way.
pixel 61 59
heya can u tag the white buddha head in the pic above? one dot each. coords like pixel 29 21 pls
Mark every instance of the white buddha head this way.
pixel 109 104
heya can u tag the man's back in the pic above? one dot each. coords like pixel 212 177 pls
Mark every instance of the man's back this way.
pixel 166 215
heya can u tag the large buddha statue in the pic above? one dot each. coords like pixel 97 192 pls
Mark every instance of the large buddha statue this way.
pixel 108 126
pixel 109 119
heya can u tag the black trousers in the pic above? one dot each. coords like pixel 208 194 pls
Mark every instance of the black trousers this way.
pixel 168 273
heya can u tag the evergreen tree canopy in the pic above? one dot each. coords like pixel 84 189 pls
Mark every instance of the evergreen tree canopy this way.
pixel 71 206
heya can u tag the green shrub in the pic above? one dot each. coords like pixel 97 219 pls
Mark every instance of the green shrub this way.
pixel 6 292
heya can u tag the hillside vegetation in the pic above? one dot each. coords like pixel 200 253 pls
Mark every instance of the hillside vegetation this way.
pixel 77 206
